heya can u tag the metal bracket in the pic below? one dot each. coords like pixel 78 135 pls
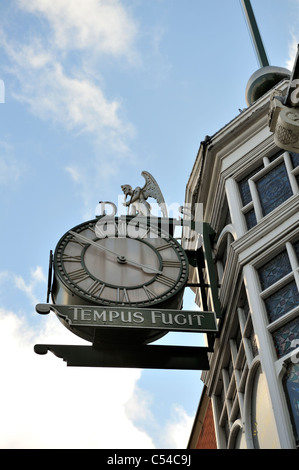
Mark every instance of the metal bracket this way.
pixel 141 357
pixel 49 290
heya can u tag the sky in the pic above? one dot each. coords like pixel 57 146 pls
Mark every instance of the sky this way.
pixel 92 93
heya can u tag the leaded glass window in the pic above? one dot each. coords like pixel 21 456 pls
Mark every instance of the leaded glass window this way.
pixel 279 283
pixel 268 186
pixel 291 386
pixel 250 219
pixel 246 197
pixel 295 162
pixel 244 186
pixel 282 301
pixel 295 159
pixel 274 188
pixel 285 338
pixel 274 270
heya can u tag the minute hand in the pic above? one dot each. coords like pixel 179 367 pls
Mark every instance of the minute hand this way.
pixel 145 268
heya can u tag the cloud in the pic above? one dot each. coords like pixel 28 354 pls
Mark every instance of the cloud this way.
pixel 74 173
pixel 44 404
pixel 177 430
pixel 67 92
pixel 74 102
pixel 36 277
pixel 102 25
pixel 58 75
pixel 172 434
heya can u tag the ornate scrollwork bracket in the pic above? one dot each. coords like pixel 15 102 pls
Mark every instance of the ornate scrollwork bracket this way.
pixel 284 113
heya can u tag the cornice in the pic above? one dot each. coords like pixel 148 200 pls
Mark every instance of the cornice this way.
pixel 270 230
pixel 213 150
pixel 245 122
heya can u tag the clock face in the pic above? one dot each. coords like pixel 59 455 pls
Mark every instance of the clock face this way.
pixel 117 263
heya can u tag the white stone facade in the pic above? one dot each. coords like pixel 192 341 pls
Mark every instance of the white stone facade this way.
pixel 249 189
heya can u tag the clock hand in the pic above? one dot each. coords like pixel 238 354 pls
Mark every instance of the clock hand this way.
pixel 121 259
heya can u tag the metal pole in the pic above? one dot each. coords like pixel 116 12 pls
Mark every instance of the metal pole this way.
pixel 254 30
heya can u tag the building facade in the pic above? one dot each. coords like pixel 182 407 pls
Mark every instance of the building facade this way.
pixel 249 189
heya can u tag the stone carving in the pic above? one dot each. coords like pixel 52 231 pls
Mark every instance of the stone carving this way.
pixel 137 204
pixel 284 123
pixel 284 113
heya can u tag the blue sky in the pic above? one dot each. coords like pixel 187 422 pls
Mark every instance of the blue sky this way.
pixel 97 91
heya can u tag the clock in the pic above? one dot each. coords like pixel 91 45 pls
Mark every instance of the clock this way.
pixel 114 261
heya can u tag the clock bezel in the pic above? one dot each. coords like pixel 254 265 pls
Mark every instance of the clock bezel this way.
pixel 80 296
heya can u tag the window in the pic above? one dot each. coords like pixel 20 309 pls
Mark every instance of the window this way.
pixel 263 426
pixel 285 338
pixel 295 162
pixel 274 270
pixel 279 279
pixel 273 188
pixel 224 245
pixel 247 198
pixel 268 186
pixel 241 350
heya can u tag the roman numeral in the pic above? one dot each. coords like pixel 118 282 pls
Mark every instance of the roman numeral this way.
pixel 92 229
pixel 171 264
pixel 74 259
pixel 78 242
pixel 78 275
pixel 96 288
pixel 150 294
pixel 122 295
pixel 163 247
pixel 167 281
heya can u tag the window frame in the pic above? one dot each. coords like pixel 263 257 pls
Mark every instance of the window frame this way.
pixel 293 275
pixel 255 203
pixel 229 405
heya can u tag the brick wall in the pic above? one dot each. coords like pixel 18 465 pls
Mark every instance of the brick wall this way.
pixel 207 437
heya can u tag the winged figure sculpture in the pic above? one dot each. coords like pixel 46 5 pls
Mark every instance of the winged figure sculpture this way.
pixel 137 204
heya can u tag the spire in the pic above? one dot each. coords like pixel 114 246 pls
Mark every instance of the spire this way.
pixel 267 76
pixel 255 34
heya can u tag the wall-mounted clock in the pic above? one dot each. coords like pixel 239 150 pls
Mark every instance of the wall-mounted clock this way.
pixel 120 264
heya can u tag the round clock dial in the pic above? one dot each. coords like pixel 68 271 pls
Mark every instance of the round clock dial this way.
pixel 118 263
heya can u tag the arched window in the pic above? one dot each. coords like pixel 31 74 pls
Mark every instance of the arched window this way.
pixel 225 240
pixel 263 426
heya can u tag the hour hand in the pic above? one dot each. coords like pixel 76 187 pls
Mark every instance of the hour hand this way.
pixel 120 258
